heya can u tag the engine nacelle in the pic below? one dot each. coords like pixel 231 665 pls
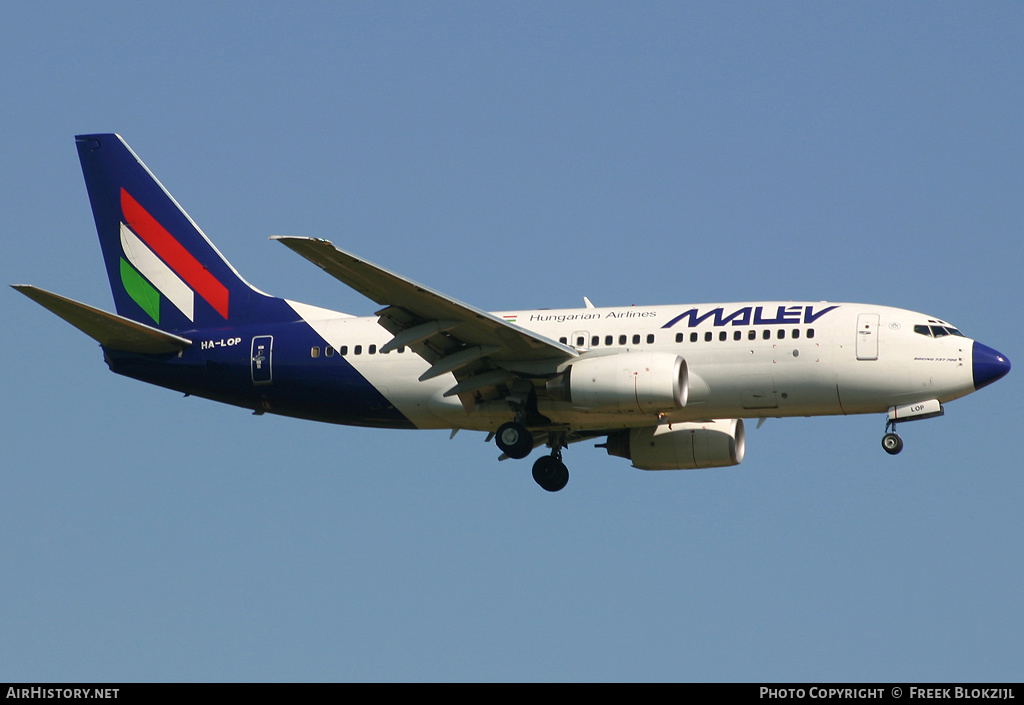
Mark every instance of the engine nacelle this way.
pixel 686 446
pixel 641 382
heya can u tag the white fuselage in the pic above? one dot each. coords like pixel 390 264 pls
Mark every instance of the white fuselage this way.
pixel 745 360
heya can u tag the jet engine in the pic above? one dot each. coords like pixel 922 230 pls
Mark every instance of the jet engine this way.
pixel 642 382
pixel 684 446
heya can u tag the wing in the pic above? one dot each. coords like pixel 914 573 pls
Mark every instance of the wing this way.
pixel 483 351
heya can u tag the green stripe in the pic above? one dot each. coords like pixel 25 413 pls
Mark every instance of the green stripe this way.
pixel 141 291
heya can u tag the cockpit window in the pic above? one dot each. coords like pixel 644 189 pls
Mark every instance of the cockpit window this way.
pixel 937 331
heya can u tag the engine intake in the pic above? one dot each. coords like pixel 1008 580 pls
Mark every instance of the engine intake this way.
pixel 641 382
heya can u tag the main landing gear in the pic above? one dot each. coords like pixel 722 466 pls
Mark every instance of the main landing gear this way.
pixel 516 441
pixel 550 472
pixel 891 443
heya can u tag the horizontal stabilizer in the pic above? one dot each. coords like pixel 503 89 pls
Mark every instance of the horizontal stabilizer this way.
pixel 109 329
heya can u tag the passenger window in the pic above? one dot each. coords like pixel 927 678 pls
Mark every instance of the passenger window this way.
pixel 401 349
pixel 810 332
pixel 622 340
pixel 358 350
pixel 723 336
pixel 737 335
pixel 650 338
pixel 580 341
pixel 608 340
pixel 767 335
pixel 752 335
pixel 693 337
pixel 781 334
pixel 707 337
pixel 344 350
pixel 636 340
pixel 595 341
pixel 563 340
pixel 679 337
pixel 329 351
pixel 314 351
pixel 796 333
pixel 373 349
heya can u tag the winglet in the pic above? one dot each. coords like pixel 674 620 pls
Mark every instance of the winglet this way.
pixel 108 329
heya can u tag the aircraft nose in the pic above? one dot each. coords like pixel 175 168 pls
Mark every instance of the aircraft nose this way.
pixel 989 365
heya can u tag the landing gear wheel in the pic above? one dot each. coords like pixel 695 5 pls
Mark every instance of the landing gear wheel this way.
pixel 514 440
pixel 550 473
pixel 892 443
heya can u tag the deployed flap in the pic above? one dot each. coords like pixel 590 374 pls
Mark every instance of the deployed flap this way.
pixel 411 304
pixel 109 329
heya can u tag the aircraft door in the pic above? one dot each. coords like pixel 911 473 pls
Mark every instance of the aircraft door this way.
pixel 261 359
pixel 580 340
pixel 867 336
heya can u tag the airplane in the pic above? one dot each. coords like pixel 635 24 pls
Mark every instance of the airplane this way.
pixel 665 387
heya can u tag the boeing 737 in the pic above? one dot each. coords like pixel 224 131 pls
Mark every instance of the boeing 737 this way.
pixel 665 387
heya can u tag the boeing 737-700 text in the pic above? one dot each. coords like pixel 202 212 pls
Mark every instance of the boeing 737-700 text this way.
pixel 666 387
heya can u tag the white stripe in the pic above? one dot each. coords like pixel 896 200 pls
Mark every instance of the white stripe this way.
pixel 158 273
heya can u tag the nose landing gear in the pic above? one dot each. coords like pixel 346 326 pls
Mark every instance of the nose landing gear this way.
pixel 891 443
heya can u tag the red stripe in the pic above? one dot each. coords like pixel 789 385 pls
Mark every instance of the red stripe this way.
pixel 171 251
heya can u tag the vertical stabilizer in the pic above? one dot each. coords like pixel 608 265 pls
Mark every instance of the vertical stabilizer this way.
pixel 163 270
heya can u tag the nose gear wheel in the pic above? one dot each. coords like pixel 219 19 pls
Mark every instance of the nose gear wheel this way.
pixel 891 443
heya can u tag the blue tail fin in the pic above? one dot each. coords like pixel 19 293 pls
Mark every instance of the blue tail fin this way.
pixel 163 270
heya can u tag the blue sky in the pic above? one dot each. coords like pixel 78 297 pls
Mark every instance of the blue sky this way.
pixel 516 155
